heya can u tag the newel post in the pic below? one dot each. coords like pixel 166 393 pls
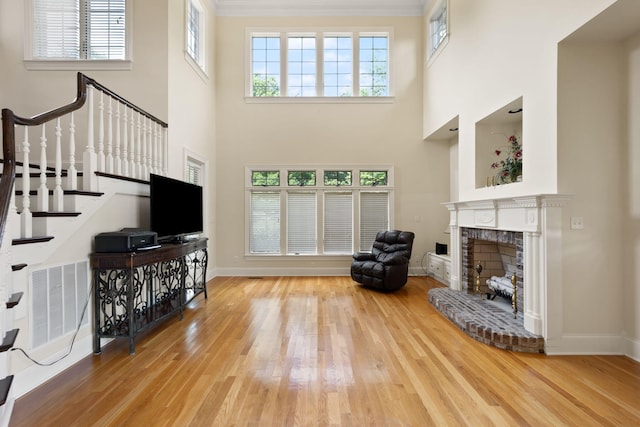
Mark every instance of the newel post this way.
pixel 90 158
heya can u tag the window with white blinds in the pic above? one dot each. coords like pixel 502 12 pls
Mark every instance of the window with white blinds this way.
pixel 78 29
pixel 338 222
pixel 301 223
pixel 265 222
pixel 194 172
pixel 316 211
pixel 374 209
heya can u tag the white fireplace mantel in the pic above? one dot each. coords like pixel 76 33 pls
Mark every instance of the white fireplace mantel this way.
pixel 539 218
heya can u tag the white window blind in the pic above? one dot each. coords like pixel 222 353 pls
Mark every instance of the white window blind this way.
pixel 79 29
pixel 265 222
pixel 194 172
pixel 374 217
pixel 301 223
pixel 338 222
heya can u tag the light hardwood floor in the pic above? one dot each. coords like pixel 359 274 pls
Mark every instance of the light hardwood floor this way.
pixel 322 351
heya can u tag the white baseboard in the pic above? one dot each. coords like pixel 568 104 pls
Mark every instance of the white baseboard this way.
pixel 586 345
pixel 292 271
pixel 632 348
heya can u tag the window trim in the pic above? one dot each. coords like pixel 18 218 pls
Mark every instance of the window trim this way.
pixel 32 63
pixel 319 33
pixel 320 189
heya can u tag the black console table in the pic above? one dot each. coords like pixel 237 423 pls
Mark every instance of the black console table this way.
pixel 135 290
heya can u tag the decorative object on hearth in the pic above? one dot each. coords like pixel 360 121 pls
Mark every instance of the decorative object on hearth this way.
pixel 509 168
pixel 478 270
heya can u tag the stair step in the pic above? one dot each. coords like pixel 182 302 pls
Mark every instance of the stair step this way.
pixel 5 386
pixel 18 267
pixel 15 299
pixel 9 340
pixel 54 214
pixel 65 192
pixel 27 240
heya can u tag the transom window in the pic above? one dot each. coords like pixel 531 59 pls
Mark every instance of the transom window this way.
pixel 306 216
pixel 319 64
pixel 78 30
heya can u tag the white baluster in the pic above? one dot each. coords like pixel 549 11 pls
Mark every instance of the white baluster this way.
pixel 125 143
pixel 25 214
pixel 101 133
pixel 165 151
pixel 90 159
pixel 118 166
pixel 132 151
pixel 139 171
pixel 72 173
pixel 145 169
pixel 156 148
pixel 58 194
pixel 43 192
pixel 109 159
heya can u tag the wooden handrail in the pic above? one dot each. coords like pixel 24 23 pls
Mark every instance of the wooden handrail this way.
pixel 10 120
pixel 9 169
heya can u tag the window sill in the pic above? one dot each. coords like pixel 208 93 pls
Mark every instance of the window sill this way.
pixel 78 65
pixel 319 99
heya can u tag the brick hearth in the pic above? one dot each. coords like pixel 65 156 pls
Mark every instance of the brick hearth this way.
pixel 484 321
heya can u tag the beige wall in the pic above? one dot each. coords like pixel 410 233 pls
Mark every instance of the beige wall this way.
pixel 579 137
pixel 325 133
pixel 497 52
pixel 192 109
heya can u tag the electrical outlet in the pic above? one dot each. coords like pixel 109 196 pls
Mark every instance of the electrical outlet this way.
pixel 577 223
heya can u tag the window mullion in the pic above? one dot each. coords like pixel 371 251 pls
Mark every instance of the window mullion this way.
pixel 284 67
pixel 319 67
pixel 356 64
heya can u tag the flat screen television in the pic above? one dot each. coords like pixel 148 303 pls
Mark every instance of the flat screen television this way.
pixel 175 209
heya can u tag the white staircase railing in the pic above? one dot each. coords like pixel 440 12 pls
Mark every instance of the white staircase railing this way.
pixel 121 139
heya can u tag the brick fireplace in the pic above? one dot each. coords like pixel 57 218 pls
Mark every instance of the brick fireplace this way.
pixel 493 250
pixel 534 225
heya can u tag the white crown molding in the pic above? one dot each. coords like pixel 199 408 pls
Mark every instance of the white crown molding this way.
pixel 319 7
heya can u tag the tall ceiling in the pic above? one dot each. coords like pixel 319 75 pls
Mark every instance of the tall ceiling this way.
pixel 320 7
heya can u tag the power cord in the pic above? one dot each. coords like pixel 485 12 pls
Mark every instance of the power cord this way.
pixel 73 339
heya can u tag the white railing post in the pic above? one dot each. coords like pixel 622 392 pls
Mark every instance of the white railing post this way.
pixel 25 214
pixel 125 143
pixel 118 169
pixel 165 151
pixel 90 159
pixel 133 171
pixel 145 169
pixel 101 158
pixel 72 172
pixel 139 171
pixel 58 194
pixel 156 148
pixel 109 160
pixel 43 192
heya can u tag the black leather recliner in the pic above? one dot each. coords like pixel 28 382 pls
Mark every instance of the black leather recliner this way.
pixel 387 265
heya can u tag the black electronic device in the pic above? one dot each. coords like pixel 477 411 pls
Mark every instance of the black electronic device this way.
pixel 125 240
pixel 441 249
pixel 176 208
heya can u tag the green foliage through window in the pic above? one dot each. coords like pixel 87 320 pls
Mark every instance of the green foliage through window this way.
pixel 337 178
pixel 265 178
pixel 373 178
pixel 301 178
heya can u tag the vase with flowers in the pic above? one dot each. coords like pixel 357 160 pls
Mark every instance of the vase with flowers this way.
pixel 509 167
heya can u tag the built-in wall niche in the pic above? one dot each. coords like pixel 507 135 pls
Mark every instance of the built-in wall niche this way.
pixel 499 158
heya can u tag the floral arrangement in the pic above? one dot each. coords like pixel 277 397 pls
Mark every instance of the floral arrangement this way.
pixel 510 167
